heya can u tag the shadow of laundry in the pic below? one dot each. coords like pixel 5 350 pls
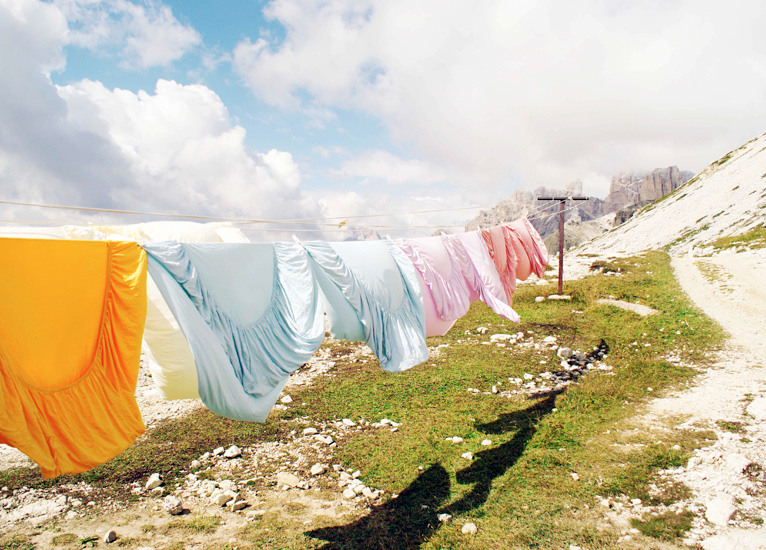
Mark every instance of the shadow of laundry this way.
pixel 403 523
pixel 408 521
pixel 494 462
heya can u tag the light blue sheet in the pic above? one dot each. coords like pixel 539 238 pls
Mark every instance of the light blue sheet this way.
pixel 372 294
pixel 252 315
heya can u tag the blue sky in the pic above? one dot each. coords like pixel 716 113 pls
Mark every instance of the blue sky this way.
pixel 307 108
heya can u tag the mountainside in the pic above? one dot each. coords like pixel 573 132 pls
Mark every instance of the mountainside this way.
pixel 584 219
pixel 727 198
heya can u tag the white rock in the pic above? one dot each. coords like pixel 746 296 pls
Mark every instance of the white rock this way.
pixel 349 493
pixel 154 481
pixel 720 509
pixel 359 488
pixel 232 452
pixel 549 340
pixel 486 442
pixel 317 469
pixel 286 399
pixel 227 485
pixel 195 464
pixel 737 463
pixel 158 491
pixel 286 478
pixel 444 518
pixel 469 529
pixel 172 505
pixel 539 298
pixel 345 475
pixel 457 439
pixel 218 451
pixel 220 498
pixel 482 330
pixel 757 409
pixel 310 431
pixel 369 493
pixel 348 422
pixel 494 389
pixel 467 456
pixel 110 536
pixel 239 505
pixel 385 421
pixel 575 476
pixel 356 474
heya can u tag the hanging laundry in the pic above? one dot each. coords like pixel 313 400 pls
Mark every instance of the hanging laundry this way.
pixel 445 293
pixel 167 352
pixel 499 242
pixel 71 318
pixel 477 267
pixel 371 294
pixel 533 244
pixel 251 313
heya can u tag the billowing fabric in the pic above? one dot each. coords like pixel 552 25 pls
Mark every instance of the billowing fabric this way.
pixel 167 352
pixel 251 313
pixel 533 244
pixel 445 294
pixel 499 241
pixel 477 267
pixel 71 318
pixel 371 294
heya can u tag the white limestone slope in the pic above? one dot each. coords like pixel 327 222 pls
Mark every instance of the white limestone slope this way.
pixel 726 198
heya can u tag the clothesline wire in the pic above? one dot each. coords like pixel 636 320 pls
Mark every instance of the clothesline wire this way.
pixel 297 221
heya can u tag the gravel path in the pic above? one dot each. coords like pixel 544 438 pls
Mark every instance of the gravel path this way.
pixel 728 477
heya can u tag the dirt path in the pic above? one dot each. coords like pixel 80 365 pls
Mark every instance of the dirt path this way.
pixel 728 477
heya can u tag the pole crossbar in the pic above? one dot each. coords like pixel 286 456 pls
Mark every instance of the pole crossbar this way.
pixel 561 200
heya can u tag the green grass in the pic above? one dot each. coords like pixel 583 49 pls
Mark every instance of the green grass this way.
pixel 201 524
pixel 519 491
pixel 755 238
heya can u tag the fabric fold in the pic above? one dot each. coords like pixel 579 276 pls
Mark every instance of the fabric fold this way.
pixel 533 244
pixel 251 313
pixel 374 283
pixel 71 320
pixel 479 273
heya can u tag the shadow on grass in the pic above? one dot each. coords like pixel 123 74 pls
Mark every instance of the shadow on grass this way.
pixel 411 519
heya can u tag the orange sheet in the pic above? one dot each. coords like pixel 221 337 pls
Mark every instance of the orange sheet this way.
pixel 71 319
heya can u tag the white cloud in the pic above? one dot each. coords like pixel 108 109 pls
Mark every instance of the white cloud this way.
pixel 175 150
pixel 144 35
pixel 382 165
pixel 540 93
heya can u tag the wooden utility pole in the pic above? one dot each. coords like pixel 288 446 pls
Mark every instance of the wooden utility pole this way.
pixel 561 200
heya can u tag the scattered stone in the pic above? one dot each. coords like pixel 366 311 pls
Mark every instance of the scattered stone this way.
pixel 444 518
pixel 286 399
pixel 218 451
pixel 563 297
pixel 564 353
pixel 482 330
pixel 232 452
pixel 318 469
pixel 720 509
pixel 366 491
pixel 469 529
pixel 172 505
pixel 540 299
pixel 486 442
pixel 154 481
pixel 158 491
pixel 357 474
pixel 494 389
pixel 349 493
pixel 456 439
pixel 220 498
pixel 467 456
pixel 575 476
pixel 286 478
pixel 549 340
pixel 239 505
pixel 110 536
pixel 348 422
pixel 195 464
pixel 310 431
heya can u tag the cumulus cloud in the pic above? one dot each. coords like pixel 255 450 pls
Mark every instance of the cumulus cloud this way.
pixel 173 150
pixel 538 93
pixel 142 35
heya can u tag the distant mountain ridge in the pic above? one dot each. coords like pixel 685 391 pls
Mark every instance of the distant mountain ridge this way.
pixel 628 191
